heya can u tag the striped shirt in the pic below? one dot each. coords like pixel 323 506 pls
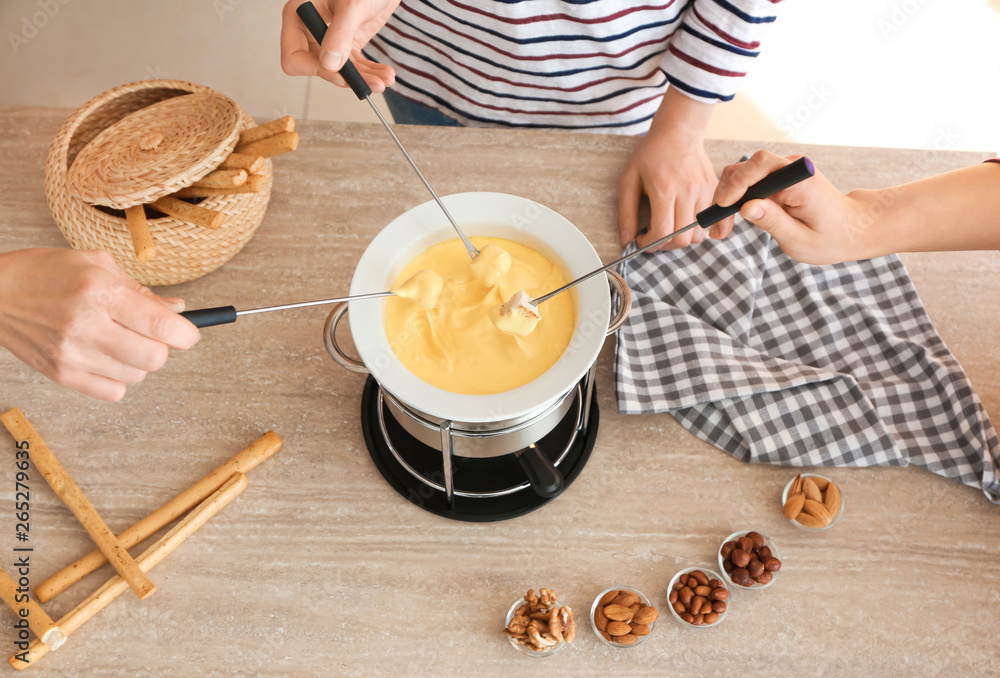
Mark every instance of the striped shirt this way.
pixel 591 65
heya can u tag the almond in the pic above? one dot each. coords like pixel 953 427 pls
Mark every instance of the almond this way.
pixel 626 639
pixel 618 628
pixel 646 615
pixel 821 483
pixel 618 613
pixel 808 520
pixel 793 506
pixel 608 597
pixel 600 621
pixel 640 630
pixel 818 511
pixel 811 491
pixel 832 499
pixel 796 486
pixel 625 599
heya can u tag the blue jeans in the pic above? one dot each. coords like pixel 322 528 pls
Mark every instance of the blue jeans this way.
pixel 408 112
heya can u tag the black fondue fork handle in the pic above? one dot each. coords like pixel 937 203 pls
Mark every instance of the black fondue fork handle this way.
pixel 208 317
pixel 349 72
pixel 775 182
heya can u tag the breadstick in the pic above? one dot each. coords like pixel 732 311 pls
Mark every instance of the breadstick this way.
pixel 64 487
pixel 283 124
pixel 261 449
pixel 223 178
pixel 142 242
pixel 149 559
pixel 250 163
pixel 271 146
pixel 252 185
pixel 185 211
pixel 38 621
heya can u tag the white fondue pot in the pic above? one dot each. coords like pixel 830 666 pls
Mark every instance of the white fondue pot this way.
pixel 503 422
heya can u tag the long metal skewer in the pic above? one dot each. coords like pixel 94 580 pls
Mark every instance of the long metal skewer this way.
pixel 222 315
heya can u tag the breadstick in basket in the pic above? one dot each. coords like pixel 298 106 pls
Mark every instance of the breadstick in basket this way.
pixel 271 146
pixel 253 184
pixel 149 559
pixel 250 163
pixel 185 211
pixel 258 451
pixel 74 498
pixel 283 124
pixel 138 228
pixel 223 178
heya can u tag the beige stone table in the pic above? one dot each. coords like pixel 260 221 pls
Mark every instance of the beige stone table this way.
pixel 320 568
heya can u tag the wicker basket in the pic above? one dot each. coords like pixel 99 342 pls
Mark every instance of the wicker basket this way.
pixel 184 251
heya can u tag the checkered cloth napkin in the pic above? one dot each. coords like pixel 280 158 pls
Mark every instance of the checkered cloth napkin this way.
pixel 779 362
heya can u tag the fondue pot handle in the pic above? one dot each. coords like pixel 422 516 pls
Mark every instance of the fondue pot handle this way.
pixel 624 301
pixel 544 477
pixel 333 348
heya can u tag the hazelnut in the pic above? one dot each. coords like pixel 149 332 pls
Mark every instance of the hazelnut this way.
pixel 757 539
pixel 740 558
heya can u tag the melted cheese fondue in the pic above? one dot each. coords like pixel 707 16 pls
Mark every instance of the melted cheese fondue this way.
pixel 454 346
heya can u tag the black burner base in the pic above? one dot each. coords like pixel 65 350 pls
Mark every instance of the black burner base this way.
pixel 470 475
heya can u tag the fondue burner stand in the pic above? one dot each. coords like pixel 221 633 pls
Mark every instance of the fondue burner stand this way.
pixel 471 488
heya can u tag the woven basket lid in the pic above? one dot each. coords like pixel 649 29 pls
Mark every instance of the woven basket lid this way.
pixel 156 150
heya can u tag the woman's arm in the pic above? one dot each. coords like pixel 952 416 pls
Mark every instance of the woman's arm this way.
pixel 817 224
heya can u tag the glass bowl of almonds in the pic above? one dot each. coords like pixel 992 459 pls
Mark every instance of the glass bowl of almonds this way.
pixel 812 502
pixel 537 626
pixel 692 591
pixel 622 616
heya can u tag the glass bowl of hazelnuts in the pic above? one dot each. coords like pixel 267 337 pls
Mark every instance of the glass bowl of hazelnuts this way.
pixel 699 598
pixel 749 560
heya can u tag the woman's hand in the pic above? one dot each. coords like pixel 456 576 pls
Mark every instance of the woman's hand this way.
pixel 812 221
pixel 671 167
pixel 80 320
pixel 352 24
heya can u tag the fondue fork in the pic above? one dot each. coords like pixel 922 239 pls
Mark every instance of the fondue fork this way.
pixel 776 181
pixel 314 23
pixel 222 315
